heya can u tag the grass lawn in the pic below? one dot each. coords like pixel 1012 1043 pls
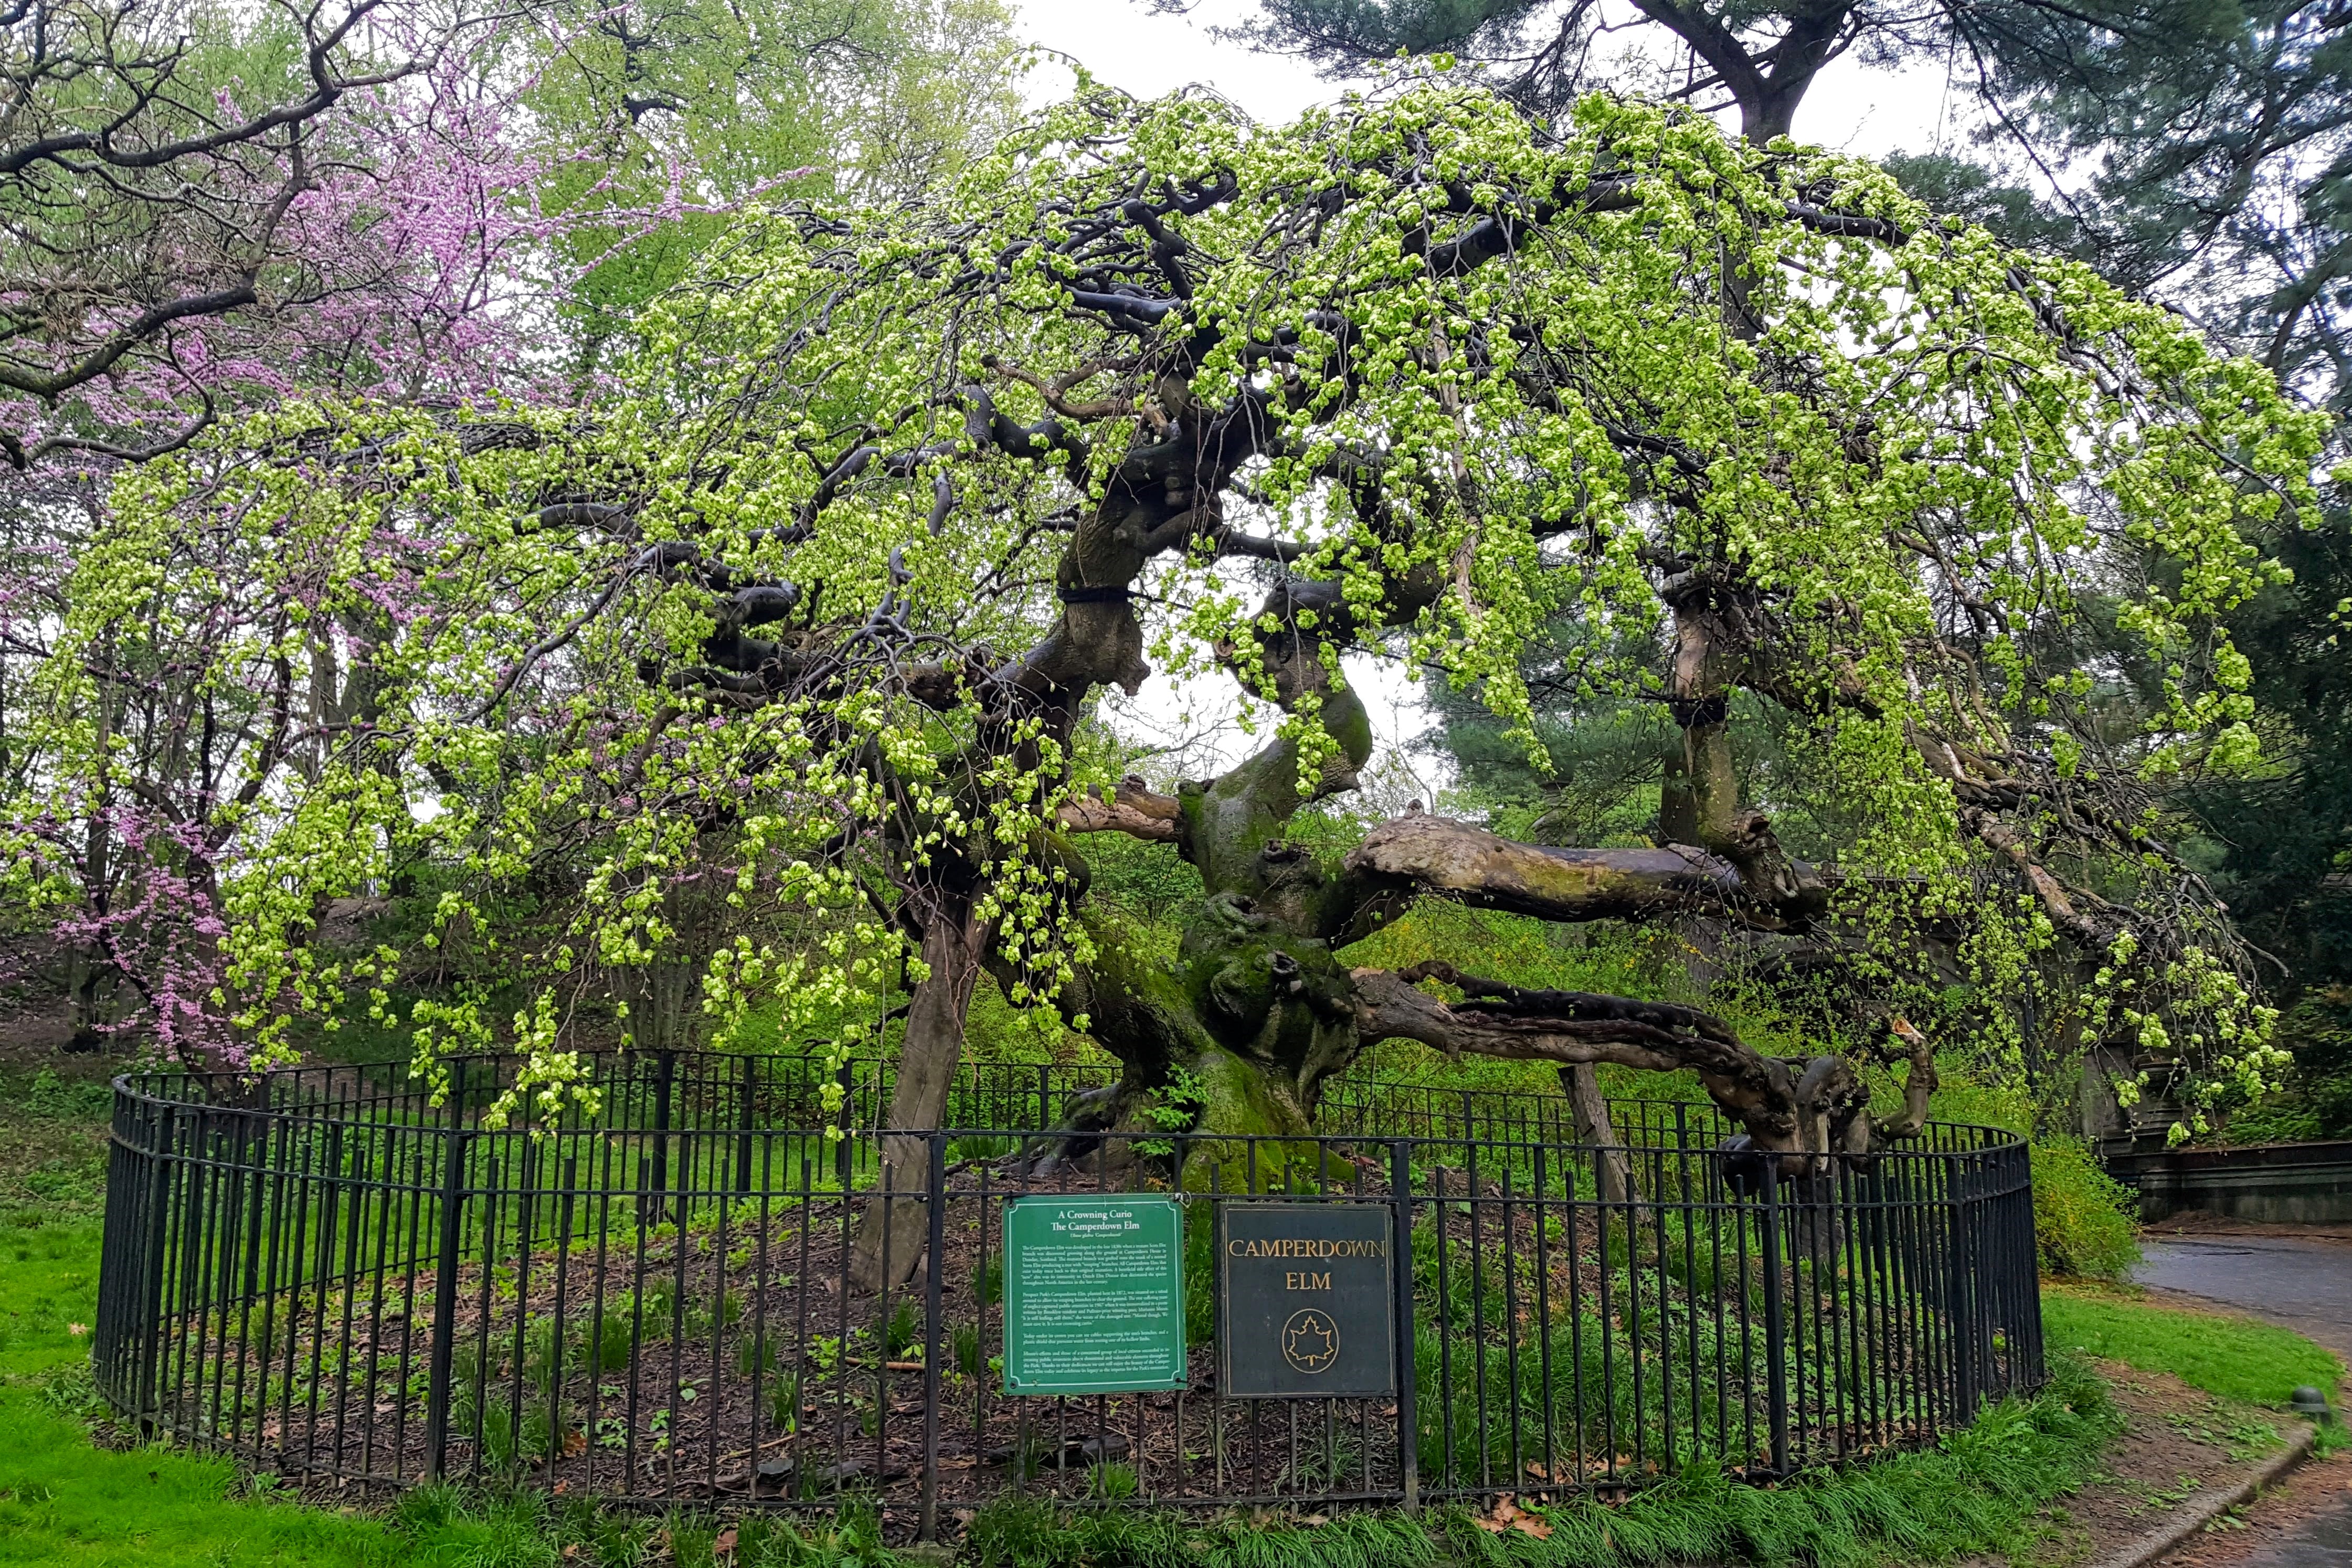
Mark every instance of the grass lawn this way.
pixel 62 1500
pixel 2219 1352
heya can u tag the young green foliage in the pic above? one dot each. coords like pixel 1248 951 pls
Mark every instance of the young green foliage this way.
pixel 808 614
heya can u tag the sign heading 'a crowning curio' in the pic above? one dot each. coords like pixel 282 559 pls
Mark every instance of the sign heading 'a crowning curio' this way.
pixel 1094 1294
pixel 1306 1300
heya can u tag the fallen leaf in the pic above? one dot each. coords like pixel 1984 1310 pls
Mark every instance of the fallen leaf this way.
pixel 725 1545
pixel 1506 1516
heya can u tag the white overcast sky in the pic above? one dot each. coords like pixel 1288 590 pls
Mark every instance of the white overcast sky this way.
pixel 1853 109
pixel 1865 112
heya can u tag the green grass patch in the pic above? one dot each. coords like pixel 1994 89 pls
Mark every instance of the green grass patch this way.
pixel 2233 1357
pixel 48 1290
pixel 67 1504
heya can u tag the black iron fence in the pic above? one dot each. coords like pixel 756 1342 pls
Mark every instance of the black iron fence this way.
pixel 327 1274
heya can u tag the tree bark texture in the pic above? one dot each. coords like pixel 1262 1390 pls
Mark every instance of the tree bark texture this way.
pixel 891 1233
pixel 1593 1126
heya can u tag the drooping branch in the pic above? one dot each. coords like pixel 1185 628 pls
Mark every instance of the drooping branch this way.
pixel 1572 1028
pixel 1803 1106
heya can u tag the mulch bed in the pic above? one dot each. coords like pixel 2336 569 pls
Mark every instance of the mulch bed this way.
pixel 673 1412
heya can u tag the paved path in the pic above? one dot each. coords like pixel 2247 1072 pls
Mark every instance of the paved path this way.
pixel 2306 1285
pixel 2303 1285
pixel 2322 1540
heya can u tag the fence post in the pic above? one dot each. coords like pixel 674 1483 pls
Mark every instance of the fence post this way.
pixel 846 1077
pixel 149 1407
pixel 330 1189
pixel 1961 1296
pixel 1401 1270
pixel 665 1072
pixel 1044 1097
pixel 1776 1326
pixel 743 1139
pixel 445 1307
pixel 2028 1367
pixel 935 1200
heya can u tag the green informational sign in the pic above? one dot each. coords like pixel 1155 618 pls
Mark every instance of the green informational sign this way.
pixel 1094 1294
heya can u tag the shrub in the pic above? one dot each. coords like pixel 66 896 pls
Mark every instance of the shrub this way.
pixel 2083 1220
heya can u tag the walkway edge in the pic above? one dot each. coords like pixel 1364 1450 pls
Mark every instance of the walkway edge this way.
pixel 2209 1505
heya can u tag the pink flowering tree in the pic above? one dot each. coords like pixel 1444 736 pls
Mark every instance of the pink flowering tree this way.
pixel 380 203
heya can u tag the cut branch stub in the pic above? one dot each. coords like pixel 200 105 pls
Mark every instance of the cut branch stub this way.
pixel 1133 809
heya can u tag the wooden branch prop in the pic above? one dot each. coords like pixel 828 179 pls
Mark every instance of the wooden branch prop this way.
pixel 1581 1083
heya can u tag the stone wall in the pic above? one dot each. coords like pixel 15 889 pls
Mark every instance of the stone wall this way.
pixel 2277 1183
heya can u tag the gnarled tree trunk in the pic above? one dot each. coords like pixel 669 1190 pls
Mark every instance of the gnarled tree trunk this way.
pixel 1260 1011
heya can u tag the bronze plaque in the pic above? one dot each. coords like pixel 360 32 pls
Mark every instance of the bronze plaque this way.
pixel 1306 1300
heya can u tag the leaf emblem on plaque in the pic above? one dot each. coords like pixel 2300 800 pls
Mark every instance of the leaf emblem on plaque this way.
pixel 1310 1340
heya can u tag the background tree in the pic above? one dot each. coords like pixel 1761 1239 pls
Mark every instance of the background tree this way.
pixel 158 168
pixel 848 100
pixel 418 241
pixel 1753 63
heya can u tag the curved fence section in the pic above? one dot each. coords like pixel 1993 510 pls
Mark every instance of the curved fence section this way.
pixel 329 1274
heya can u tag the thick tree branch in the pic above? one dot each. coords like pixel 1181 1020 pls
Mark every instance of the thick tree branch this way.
pixel 1436 855
pixel 1756 1091
pixel 1813 1108
pixel 1133 809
